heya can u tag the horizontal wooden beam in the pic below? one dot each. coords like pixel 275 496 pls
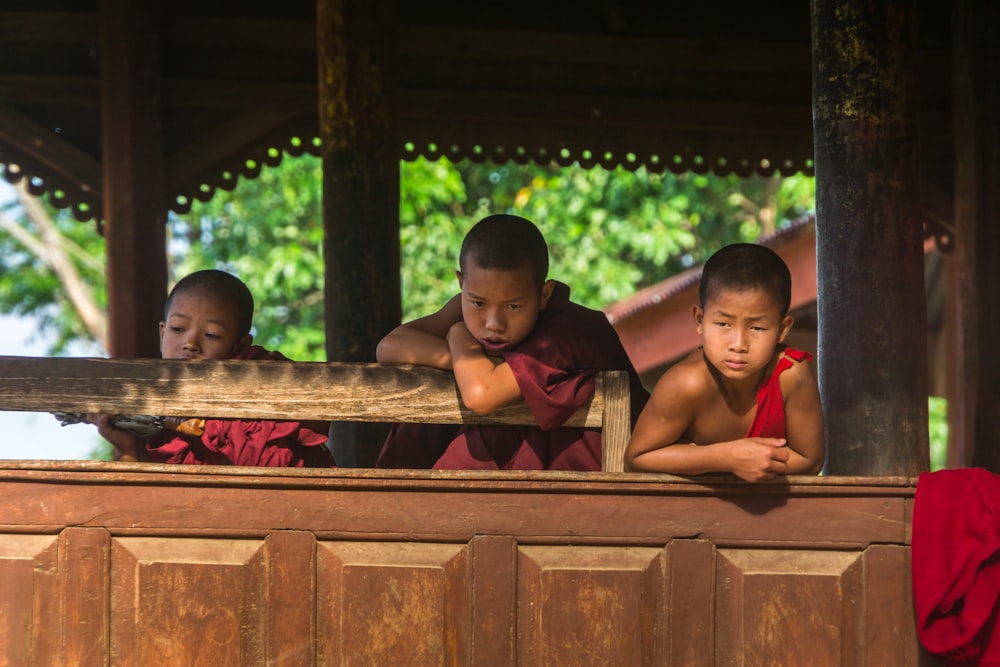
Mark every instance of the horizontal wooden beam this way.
pixel 58 155
pixel 252 389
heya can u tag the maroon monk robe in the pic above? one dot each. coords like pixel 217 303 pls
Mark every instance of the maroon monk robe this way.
pixel 555 367
pixel 240 442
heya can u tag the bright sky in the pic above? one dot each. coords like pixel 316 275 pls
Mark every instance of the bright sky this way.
pixel 37 435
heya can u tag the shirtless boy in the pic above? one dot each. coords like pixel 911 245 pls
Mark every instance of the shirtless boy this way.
pixel 744 402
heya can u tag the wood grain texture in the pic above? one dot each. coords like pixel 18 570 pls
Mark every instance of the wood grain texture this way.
pixel 142 564
pixel 253 389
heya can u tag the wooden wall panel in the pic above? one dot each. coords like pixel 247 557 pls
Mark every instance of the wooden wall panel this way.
pixel 179 601
pixel 29 604
pixel 890 637
pixel 494 591
pixel 291 595
pixel 392 603
pixel 590 606
pixel 85 567
pixel 170 565
pixel 776 606
pixel 691 602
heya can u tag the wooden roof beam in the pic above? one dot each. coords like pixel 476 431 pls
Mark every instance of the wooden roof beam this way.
pixel 46 147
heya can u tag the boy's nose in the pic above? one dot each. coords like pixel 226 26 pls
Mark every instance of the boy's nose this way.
pixel 494 321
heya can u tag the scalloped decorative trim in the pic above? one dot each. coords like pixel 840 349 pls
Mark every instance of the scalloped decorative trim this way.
pixel 85 206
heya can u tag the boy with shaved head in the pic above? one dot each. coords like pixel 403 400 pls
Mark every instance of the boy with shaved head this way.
pixel 511 333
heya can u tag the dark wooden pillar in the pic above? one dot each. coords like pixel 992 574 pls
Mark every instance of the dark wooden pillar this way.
pixel 975 423
pixel 135 213
pixel 358 50
pixel 869 247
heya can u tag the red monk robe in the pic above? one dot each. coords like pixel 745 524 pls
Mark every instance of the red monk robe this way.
pixel 239 442
pixel 769 422
pixel 555 368
pixel 955 561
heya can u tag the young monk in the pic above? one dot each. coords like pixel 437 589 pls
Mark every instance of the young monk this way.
pixel 511 333
pixel 743 402
pixel 208 315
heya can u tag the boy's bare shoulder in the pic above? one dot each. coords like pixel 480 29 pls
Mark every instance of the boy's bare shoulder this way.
pixel 689 376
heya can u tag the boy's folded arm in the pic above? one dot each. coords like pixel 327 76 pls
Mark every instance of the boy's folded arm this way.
pixel 485 383
pixel 421 341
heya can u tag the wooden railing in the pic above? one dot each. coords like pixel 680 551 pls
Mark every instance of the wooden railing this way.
pixel 283 390
pixel 109 563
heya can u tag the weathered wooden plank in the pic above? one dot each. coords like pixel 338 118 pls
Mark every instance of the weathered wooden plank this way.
pixel 291 595
pixel 451 508
pixel 252 389
pixel 617 427
pixel 494 595
pixel 690 623
pixel 84 562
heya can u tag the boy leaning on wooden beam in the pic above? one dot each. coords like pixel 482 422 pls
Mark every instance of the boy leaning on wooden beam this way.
pixel 510 333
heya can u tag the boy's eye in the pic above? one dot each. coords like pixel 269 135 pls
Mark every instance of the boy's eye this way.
pixel 513 306
pixel 176 329
pixel 475 303
pixel 721 324
pixel 212 336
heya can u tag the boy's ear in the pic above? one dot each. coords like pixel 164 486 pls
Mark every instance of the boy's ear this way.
pixel 547 288
pixel 458 274
pixel 163 327
pixel 786 325
pixel 699 316
pixel 241 345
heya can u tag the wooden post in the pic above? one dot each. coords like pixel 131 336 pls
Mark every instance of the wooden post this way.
pixel 975 422
pixel 135 213
pixel 869 248
pixel 358 118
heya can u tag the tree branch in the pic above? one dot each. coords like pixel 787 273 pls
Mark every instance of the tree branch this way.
pixel 50 247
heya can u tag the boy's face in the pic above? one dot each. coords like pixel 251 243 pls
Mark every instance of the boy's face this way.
pixel 500 306
pixel 740 330
pixel 199 325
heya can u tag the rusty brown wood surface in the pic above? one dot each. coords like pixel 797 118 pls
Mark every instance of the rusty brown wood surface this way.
pixel 138 564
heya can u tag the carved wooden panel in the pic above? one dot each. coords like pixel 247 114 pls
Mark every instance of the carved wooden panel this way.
pixel 29 605
pixel 590 605
pixel 393 603
pixel 370 567
pixel 184 601
pixel 775 606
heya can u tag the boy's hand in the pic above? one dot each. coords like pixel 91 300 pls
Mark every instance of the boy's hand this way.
pixel 125 443
pixel 756 459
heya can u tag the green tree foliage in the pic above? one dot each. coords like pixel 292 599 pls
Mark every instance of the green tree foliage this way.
pixel 33 248
pixel 269 232
pixel 610 233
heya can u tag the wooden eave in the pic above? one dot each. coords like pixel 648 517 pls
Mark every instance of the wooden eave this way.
pixel 722 88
